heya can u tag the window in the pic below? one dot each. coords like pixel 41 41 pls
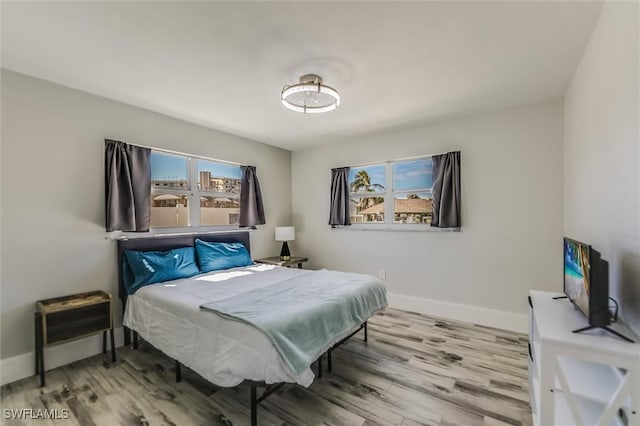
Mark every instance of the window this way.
pixel 412 191
pixel 169 190
pixel 221 184
pixel 367 187
pixel 403 187
pixel 179 184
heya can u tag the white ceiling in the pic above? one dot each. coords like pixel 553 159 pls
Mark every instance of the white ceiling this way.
pixel 222 65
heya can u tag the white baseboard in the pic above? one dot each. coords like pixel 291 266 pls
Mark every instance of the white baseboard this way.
pixel 21 366
pixel 473 314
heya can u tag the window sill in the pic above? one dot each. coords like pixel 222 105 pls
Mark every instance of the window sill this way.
pixel 160 232
pixel 395 228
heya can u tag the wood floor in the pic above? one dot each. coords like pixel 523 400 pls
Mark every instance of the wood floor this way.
pixel 415 370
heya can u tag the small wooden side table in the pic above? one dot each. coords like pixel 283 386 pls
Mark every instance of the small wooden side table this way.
pixel 66 318
pixel 288 263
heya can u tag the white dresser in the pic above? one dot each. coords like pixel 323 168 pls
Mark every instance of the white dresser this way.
pixel 590 378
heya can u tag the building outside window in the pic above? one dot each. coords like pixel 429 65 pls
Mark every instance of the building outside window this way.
pixel 180 183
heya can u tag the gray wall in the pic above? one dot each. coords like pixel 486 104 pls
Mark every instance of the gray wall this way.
pixel 602 151
pixel 53 238
pixel 512 203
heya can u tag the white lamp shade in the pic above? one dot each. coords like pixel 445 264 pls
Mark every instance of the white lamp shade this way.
pixel 285 233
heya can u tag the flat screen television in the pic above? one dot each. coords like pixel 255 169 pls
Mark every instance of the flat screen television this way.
pixel 586 281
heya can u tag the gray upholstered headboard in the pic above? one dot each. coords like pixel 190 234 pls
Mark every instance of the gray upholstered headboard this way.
pixel 163 243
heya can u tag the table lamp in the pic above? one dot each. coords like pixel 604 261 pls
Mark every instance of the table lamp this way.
pixel 284 234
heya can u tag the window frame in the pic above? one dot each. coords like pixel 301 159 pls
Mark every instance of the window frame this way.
pixel 193 197
pixel 211 194
pixel 406 191
pixel 373 194
pixel 389 194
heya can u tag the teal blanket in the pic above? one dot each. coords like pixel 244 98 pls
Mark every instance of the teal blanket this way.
pixel 305 316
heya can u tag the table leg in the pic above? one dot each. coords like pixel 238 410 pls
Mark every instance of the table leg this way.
pixel 36 318
pixel 113 344
pixel 104 342
pixel 39 349
pixel 300 265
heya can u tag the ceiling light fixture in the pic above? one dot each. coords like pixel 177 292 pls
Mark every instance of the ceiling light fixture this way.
pixel 310 96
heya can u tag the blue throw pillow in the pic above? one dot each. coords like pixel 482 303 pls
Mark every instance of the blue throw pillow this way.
pixel 217 256
pixel 147 267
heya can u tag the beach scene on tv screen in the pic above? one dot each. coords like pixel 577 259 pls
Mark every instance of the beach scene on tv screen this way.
pixel 576 274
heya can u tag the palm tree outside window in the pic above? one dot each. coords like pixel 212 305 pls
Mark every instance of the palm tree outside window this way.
pixel 404 187
pixel 367 188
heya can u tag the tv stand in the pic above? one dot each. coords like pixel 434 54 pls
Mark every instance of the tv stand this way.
pixel 579 378
pixel 604 327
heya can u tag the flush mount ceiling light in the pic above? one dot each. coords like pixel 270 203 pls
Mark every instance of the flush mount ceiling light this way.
pixel 310 96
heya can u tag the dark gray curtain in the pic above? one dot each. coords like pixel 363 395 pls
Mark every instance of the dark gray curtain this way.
pixel 339 210
pixel 446 190
pixel 127 186
pixel 251 209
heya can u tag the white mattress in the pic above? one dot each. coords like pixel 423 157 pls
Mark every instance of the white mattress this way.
pixel 223 351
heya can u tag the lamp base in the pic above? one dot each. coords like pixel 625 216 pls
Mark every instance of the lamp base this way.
pixel 284 253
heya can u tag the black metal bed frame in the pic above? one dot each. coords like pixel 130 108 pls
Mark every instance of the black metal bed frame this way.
pixel 162 243
pixel 254 399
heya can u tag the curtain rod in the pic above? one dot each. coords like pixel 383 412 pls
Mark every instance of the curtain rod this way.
pixel 184 154
pixel 398 159
pixel 123 235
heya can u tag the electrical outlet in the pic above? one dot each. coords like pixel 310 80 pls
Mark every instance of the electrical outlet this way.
pixel 382 274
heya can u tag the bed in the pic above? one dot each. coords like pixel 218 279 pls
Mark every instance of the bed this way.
pixel 185 318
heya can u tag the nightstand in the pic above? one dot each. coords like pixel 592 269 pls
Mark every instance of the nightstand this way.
pixel 66 318
pixel 288 263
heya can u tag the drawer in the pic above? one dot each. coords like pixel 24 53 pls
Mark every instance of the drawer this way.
pixel 64 325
